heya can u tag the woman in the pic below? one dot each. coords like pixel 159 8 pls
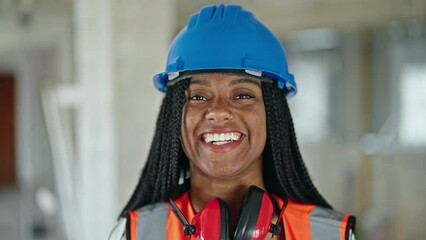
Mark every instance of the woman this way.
pixel 225 150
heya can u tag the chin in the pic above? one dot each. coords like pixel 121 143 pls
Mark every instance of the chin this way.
pixel 225 171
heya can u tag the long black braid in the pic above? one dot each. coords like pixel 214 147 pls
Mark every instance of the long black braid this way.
pixel 166 159
pixel 285 173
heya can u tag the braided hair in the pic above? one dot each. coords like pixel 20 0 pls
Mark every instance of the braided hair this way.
pixel 284 174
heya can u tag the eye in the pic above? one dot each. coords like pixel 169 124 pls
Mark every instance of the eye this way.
pixel 244 96
pixel 196 98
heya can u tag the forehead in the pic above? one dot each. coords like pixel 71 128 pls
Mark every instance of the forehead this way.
pixel 223 79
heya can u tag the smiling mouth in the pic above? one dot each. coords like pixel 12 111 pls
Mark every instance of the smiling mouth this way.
pixel 221 138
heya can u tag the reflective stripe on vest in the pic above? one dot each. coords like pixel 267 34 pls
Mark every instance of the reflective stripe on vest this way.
pixel 326 224
pixel 147 222
pixel 301 221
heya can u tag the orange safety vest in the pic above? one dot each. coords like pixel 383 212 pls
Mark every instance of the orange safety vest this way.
pixel 301 222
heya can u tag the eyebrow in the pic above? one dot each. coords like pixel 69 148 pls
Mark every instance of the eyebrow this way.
pixel 232 83
pixel 244 80
pixel 199 82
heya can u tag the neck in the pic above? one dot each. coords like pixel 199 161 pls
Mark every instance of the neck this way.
pixel 232 190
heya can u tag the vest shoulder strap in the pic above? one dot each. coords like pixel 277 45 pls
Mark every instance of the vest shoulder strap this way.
pixel 148 222
pixel 329 224
pixel 308 221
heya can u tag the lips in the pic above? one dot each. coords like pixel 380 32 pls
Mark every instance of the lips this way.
pixel 221 138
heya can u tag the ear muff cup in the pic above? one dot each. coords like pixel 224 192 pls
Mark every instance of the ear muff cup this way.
pixel 255 215
pixel 224 217
pixel 212 222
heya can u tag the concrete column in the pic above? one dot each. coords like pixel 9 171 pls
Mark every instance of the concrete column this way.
pixel 364 195
pixel 95 178
pixel 143 32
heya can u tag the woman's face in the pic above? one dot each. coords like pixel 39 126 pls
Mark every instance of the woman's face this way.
pixel 224 125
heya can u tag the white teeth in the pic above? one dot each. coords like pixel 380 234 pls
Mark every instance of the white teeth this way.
pixel 235 136
pixel 216 137
pixel 221 138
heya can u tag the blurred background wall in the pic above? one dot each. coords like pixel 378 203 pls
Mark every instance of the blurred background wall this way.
pixel 78 108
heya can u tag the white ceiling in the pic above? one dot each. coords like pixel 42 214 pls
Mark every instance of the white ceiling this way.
pixel 286 15
pixel 279 15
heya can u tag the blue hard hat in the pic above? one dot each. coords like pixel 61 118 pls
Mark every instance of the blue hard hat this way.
pixel 227 38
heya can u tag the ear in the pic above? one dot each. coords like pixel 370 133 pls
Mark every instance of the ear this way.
pixel 212 221
pixel 255 216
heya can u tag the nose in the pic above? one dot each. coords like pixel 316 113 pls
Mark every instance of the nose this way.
pixel 219 112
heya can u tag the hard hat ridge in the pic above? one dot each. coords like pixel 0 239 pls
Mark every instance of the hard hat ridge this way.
pixel 215 14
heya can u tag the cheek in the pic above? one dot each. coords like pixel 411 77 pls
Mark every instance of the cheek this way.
pixel 259 127
pixel 187 124
pixel 258 120
pixel 188 128
pixel 184 129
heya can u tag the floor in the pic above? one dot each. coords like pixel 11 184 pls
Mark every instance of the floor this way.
pixel 42 229
pixel 9 213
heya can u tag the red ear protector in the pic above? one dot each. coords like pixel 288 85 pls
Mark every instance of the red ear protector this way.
pixel 212 222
